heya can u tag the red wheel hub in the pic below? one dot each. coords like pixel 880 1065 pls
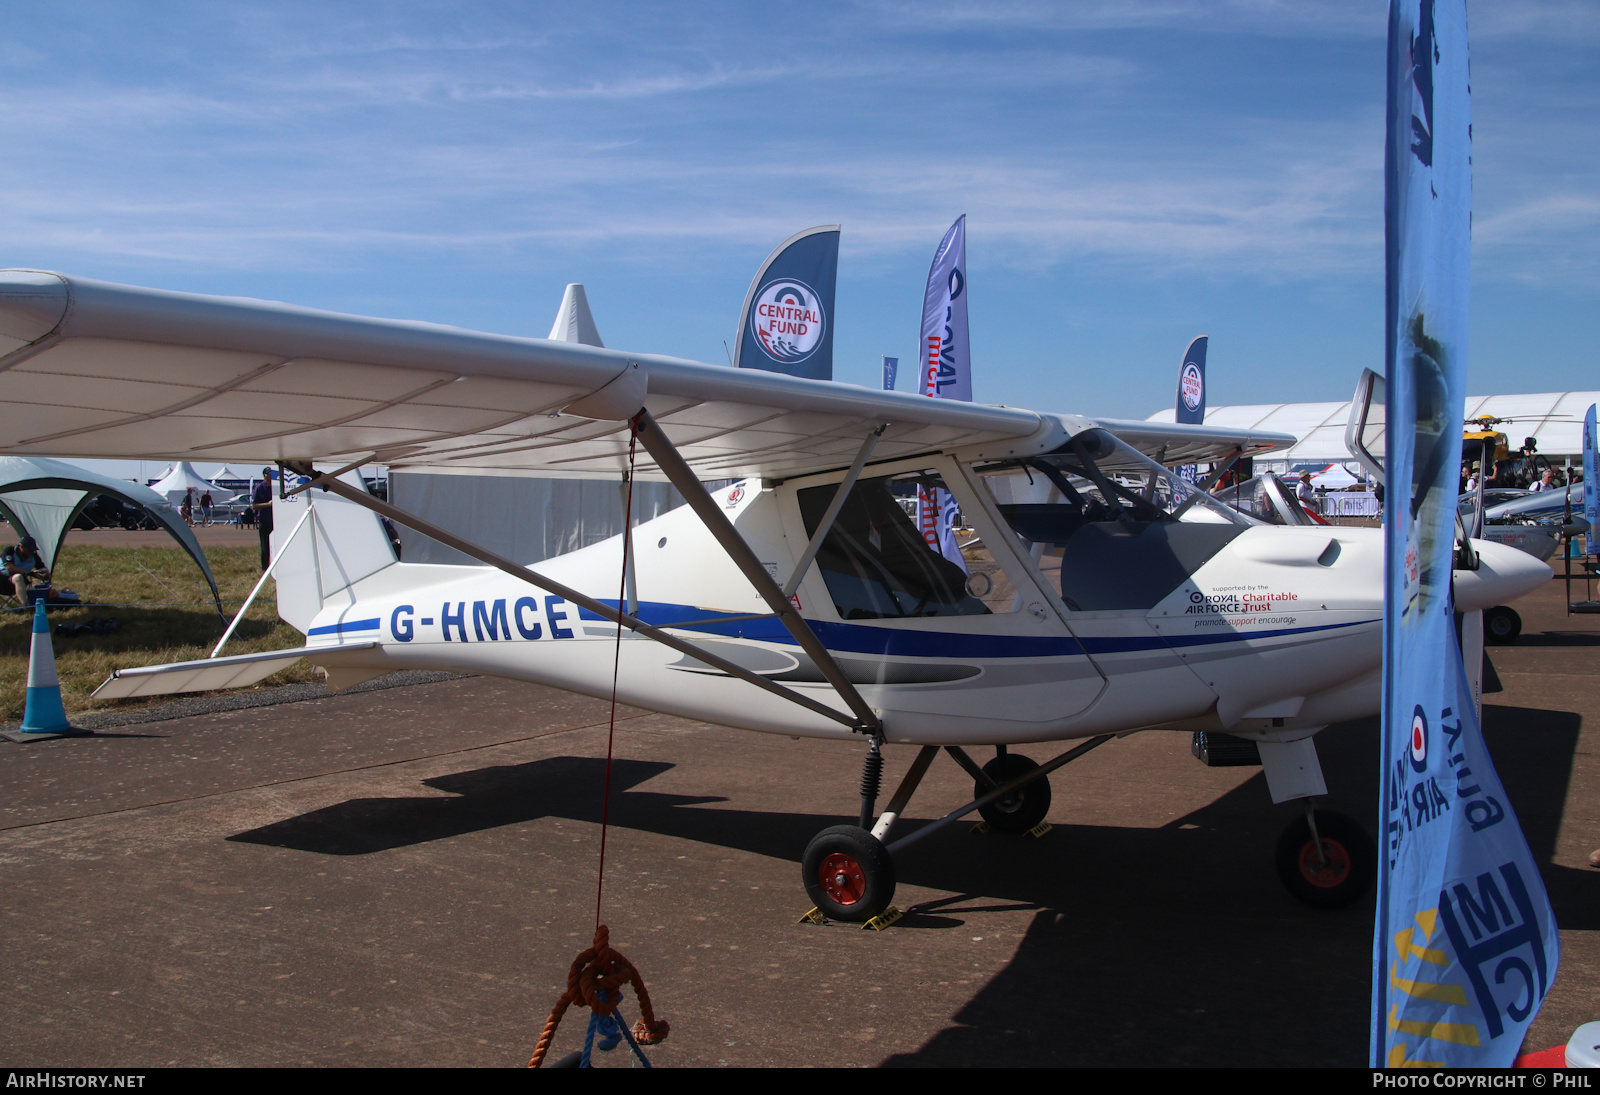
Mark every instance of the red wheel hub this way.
pixel 842 879
pixel 1328 874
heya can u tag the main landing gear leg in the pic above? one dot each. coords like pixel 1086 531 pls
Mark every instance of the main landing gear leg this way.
pixel 849 873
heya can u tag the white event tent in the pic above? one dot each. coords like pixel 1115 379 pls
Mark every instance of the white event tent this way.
pixel 1553 419
pixel 178 481
pixel 42 498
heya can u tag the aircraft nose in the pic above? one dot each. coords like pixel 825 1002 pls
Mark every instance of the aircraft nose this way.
pixel 1504 573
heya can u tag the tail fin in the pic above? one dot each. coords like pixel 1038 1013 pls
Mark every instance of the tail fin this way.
pixel 574 323
pixel 339 544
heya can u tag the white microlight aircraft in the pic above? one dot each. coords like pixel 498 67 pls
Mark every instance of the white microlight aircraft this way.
pixel 1107 594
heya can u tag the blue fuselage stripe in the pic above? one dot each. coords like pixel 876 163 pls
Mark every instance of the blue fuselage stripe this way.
pixel 852 638
pixel 342 628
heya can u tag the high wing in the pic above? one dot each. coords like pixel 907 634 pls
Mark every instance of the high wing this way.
pixel 92 369
pixel 1173 443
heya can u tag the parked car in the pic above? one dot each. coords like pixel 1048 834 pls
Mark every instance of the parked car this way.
pixel 107 511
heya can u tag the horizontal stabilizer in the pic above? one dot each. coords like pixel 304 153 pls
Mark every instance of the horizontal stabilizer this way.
pixel 212 673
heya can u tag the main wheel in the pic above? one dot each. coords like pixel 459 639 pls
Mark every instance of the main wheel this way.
pixel 1501 625
pixel 848 874
pixel 1343 872
pixel 1023 808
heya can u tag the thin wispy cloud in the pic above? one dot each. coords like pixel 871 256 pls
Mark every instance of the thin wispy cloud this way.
pixel 1217 151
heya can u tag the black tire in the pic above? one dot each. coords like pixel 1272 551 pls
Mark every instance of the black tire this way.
pixel 1350 854
pixel 1501 625
pixel 1025 807
pixel 848 874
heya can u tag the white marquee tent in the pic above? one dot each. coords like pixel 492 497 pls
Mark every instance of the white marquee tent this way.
pixel 1553 419
pixel 180 479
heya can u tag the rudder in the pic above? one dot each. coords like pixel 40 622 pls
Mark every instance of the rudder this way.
pixel 340 544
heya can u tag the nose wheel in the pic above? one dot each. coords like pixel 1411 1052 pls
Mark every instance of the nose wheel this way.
pixel 1334 874
pixel 848 874
pixel 1501 625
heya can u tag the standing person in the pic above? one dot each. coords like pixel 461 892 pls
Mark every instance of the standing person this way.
pixel 261 503
pixel 1547 481
pixel 186 507
pixel 1307 494
pixel 205 508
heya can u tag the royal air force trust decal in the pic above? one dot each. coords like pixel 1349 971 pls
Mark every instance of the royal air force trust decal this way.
pixel 787 321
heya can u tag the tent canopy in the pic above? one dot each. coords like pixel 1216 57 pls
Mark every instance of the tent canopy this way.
pixel 180 479
pixel 42 497
pixel 1553 419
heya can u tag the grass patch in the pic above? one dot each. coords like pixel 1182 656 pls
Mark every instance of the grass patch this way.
pixel 166 613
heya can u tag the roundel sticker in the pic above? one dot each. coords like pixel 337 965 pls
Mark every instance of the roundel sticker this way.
pixel 1194 386
pixel 1419 740
pixel 787 320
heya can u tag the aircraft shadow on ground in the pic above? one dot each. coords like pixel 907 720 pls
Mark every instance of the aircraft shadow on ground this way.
pixel 1195 956
pixel 1172 945
pixel 1534 751
pixel 1558 638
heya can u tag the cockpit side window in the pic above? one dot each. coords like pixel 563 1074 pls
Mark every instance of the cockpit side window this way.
pixel 1107 527
pixel 878 563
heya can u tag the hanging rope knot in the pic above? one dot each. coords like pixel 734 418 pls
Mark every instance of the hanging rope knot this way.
pixel 595 982
pixel 596 978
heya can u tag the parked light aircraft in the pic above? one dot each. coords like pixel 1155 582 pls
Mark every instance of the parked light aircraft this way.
pixel 1108 595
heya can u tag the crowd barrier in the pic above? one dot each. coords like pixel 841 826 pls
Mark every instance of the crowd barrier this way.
pixel 1351 504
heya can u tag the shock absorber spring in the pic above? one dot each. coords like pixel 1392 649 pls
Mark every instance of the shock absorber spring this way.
pixel 871 781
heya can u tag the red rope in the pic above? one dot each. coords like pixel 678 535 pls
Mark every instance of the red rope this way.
pixel 595 981
pixel 616 662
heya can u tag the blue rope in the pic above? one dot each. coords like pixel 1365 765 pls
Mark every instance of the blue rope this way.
pixel 612 1031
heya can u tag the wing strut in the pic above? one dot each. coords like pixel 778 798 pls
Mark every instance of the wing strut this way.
pixel 265 574
pixel 678 472
pixel 1204 489
pixel 500 562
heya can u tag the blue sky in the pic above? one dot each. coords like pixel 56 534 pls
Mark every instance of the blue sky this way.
pixel 1133 173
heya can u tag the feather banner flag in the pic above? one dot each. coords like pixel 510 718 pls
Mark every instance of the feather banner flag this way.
pixel 1190 405
pixel 946 371
pixel 1591 486
pixel 1191 401
pixel 1465 944
pixel 786 325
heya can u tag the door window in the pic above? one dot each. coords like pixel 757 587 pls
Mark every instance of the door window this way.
pixel 896 551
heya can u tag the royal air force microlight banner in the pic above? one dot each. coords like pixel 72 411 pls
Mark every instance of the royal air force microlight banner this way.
pixel 946 371
pixel 1465 945
pixel 787 322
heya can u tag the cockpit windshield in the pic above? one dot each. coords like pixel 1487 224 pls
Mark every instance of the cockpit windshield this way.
pixel 1108 527
pixel 1268 499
